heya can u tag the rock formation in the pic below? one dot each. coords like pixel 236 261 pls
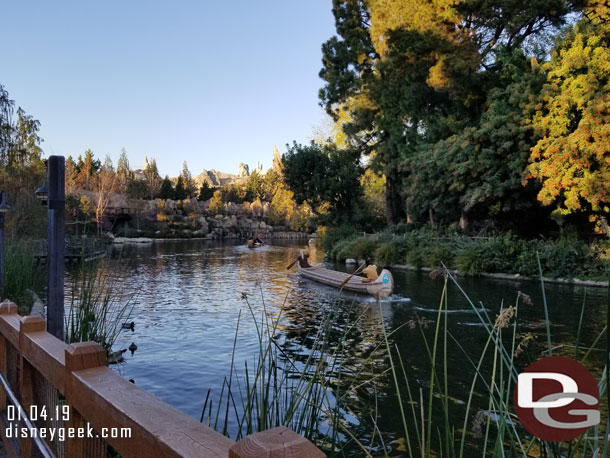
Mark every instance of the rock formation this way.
pixel 243 170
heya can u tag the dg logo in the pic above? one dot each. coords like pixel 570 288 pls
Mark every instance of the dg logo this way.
pixel 556 399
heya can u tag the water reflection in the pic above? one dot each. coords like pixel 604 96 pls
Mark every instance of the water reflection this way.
pixel 190 294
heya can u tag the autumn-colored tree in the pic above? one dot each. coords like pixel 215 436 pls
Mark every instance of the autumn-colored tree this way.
pixel 572 158
pixel 106 185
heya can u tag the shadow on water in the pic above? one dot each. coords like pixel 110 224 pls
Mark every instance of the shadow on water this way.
pixel 190 295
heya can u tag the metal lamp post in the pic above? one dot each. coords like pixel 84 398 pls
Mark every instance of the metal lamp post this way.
pixel 3 209
pixel 54 196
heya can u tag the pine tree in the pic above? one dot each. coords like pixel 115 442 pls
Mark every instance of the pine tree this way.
pixel 167 189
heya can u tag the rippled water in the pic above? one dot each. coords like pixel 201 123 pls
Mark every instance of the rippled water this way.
pixel 189 295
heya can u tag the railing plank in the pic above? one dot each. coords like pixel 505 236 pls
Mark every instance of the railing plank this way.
pixel 99 397
pixel 46 353
pixel 10 323
pixel 158 430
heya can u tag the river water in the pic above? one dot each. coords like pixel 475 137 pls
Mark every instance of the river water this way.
pixel 188 296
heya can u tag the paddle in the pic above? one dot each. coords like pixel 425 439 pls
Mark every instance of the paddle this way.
pixel 353 273
pixel 290 266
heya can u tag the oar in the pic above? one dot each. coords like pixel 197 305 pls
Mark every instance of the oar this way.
pixel 350 277
pixel 290 266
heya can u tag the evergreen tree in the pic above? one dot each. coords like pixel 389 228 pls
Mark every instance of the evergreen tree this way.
pixel 205 191
pixel 180 192
pixel 167 189
pixel 123 170
pixel 412 74
pixel 152 180
pixel 187 181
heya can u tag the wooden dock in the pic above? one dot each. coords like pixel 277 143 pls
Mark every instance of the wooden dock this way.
pixel 76 250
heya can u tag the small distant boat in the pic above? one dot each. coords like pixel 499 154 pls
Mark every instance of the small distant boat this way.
pixel 253 244
pixel 383 286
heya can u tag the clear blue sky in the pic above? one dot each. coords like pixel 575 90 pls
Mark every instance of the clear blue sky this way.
pixel 212 83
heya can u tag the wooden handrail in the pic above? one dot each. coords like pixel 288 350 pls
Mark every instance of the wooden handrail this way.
pixel 98 396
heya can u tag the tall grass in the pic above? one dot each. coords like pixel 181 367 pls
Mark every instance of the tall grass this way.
pixel 98 304
pixel 277 389
pixel 311 395
pixel 22 274
pixel 495 431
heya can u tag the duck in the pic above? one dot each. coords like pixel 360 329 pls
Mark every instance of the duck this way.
pixel 131 325
pixel 133 347
pixel 116 357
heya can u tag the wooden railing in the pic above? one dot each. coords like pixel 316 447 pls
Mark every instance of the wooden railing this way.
pixel 43 372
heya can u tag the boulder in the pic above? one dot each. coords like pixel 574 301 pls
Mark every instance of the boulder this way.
pixel 243 170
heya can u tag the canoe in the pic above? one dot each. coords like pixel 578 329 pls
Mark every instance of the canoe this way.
pixel 251 244
pixel 382 287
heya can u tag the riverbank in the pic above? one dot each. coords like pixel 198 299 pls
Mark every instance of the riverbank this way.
pixel 282 235
pixel 510 277
pixel 564 260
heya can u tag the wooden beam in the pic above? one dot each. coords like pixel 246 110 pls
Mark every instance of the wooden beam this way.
pixel 275 443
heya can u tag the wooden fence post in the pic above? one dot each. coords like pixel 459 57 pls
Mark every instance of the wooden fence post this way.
pixel 79 356
pixel 278 442
pixel 56 245
pixel 6 308
pixel 32 323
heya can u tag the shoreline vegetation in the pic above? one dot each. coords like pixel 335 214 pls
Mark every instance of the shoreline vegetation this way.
pixel 565 260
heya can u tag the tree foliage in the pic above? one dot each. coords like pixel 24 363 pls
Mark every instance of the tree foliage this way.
pixel 418 78
pixel 572 159
pixel 324 177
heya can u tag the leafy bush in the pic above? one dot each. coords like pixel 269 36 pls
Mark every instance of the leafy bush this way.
pixel 331 236
pixel 415 256
pixel 437 254
pixel 469 261
pixel 388 253
pixel 566 257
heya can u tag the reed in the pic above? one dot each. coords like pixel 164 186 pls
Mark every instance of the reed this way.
pixel 311 395
pixel 22 274
pixel 98 304
pixel 495 431
pixel 277 389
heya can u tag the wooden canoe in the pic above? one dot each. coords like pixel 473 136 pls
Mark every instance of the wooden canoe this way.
pixel 382 287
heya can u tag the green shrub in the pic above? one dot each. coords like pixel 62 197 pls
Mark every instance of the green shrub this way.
pixel 340 252
pixel 415 256
pixel 331 236
pixel 469 261
pixel 363 248
pixel 388 253
pixel 436 255
pixel 564 258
